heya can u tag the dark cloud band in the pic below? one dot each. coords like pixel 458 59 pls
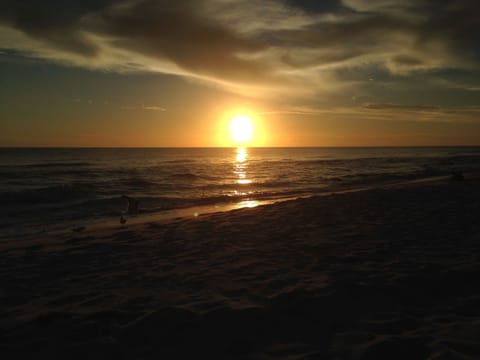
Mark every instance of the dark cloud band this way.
pixel 401 35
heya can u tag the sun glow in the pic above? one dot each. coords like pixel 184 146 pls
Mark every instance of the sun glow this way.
pixel 241 129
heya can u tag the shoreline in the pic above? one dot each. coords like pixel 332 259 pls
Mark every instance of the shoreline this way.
pixel 170 215
pixel 384 273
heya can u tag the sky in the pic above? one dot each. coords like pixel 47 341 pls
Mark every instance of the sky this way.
pixel 148 73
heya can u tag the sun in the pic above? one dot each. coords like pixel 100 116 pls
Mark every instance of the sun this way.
pixel 241 129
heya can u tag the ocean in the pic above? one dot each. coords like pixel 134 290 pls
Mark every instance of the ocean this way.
pixel 48 190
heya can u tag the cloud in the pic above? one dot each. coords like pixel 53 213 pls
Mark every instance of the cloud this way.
pixel 174 31
pixel 143 107
pixel 426 108
pixel 387 112
pixel 153 108
pixel 250 47
pixel 139 30
pixel 421 113
pixel 314 6
pixel 55 22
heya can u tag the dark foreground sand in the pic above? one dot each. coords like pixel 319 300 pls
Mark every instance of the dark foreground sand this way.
pixel 378 274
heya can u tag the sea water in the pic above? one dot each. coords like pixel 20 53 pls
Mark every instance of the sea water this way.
pixel 45 190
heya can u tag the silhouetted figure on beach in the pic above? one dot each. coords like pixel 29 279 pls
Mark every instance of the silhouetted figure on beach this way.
pixel 133 205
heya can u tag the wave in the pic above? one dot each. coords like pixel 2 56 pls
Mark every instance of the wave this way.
pixel 57 164
pixel 191 176
pixel 136 183
pixel 466 159
pixel 178 161
pixel 186 176
pixel 364 160
pixel 50 194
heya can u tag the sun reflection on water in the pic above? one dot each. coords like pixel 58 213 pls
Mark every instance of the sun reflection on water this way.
pixel 247 204
pixel 240 170
pixel 242 155
pixel 241 166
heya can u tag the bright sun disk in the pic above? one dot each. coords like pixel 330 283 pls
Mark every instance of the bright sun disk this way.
pixel 241 128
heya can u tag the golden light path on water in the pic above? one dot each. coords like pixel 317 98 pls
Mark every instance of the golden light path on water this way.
pixel 240 170
pixel 241 178
pixel 241 166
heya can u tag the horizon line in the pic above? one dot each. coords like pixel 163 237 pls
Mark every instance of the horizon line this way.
pixel 234 147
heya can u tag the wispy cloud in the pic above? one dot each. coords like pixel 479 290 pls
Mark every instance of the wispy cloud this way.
pixel 143 107
pixel 253 48
pixel 426 108
pixel 388 112
pixel 153 108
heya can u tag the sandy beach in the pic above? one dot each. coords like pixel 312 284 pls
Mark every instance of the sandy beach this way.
pixel 387 273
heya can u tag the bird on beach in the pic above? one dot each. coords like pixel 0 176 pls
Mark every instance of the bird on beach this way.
pixel 122 220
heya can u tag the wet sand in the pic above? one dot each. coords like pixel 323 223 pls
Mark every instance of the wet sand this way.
pixel 387 273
